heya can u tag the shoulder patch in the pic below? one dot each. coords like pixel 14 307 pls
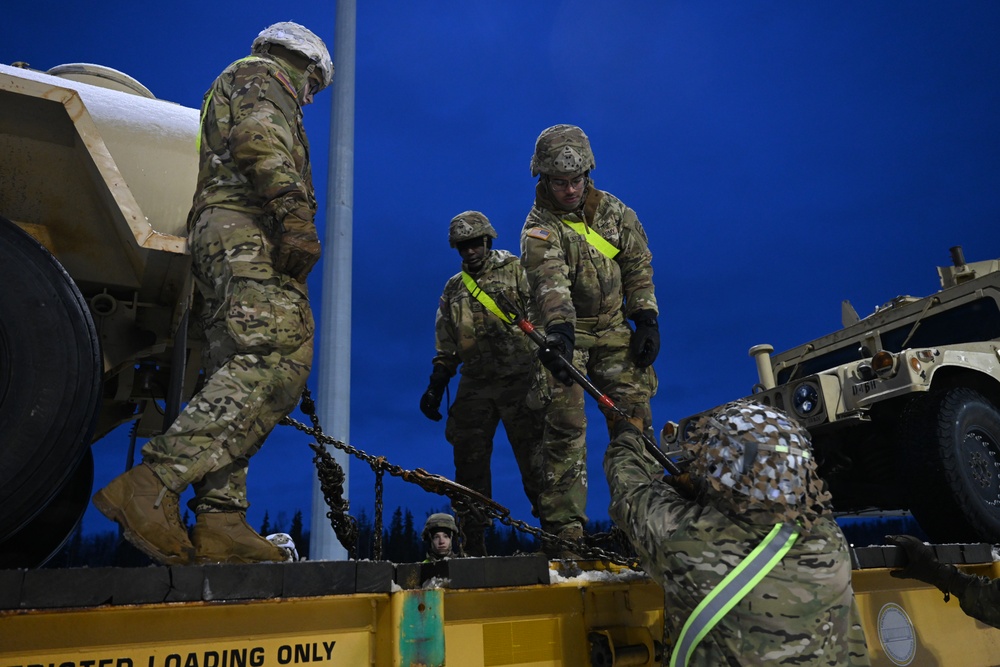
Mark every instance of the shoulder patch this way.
pixel 538 233
pixel 280 76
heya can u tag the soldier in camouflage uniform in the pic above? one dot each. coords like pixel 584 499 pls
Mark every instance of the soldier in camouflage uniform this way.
pixel 253 242
pixel 495 359
pixel 978 596
pixel 439 537
pixel 589 267
pixel 751 484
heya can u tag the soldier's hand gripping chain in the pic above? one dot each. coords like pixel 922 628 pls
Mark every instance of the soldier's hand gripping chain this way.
pixel 430 402
pixel 921 563
pixel 558 347
pixel 298 247
pixel 644 344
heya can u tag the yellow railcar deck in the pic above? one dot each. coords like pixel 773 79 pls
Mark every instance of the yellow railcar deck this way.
pixel 510 611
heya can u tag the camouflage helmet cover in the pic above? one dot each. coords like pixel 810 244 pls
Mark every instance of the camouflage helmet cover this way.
pixel 755 458
pixel 469 225
pixel 562 150
pixel 300 39
pixel 439 521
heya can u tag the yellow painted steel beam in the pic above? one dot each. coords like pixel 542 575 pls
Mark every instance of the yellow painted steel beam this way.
pixel 538 625
pixel 334 630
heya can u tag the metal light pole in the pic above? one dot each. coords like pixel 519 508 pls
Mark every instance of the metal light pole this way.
pixel 334 350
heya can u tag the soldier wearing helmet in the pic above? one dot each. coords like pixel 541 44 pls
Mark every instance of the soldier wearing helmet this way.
pixel 253 241
pixel 472 335
pixel 589 268
pixel 752 511
pixel 439 537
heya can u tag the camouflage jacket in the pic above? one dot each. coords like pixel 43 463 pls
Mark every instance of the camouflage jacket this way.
pixel 801 613
pixel 254 155
pixel 466 333
pixel 979 597
pixel 570 278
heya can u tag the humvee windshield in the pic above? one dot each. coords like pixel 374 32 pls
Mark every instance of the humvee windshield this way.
pixel 974 321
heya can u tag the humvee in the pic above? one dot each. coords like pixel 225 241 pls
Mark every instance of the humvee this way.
pixel 903 405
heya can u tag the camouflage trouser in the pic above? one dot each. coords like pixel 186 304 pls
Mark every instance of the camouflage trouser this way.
pixel 604 356
pixel 472 422
pixel 259 329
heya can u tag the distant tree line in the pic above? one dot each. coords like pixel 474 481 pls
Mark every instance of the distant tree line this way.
pixel 402 542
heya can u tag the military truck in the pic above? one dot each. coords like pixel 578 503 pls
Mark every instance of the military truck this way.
pixel 96 179
pixel 903 405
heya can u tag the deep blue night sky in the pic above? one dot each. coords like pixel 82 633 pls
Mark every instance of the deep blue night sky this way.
pixel 782 156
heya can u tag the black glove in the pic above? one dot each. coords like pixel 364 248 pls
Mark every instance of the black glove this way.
pixel 559 342
pixel 645 341
pixel 298 247
pixel 921 563
pixel 431 400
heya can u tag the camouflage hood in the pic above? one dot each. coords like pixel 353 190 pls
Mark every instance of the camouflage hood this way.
pixel 755 462
pixel 296 76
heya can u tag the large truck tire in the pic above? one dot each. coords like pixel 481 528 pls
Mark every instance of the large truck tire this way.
pixel 50 378
pixel 50 530
pixel 954 438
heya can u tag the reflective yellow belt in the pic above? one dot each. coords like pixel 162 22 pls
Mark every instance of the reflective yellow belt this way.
pixel 484 298
pixel 593 238
pixel 732 589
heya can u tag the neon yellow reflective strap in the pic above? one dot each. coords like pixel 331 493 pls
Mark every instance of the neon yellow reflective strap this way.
pixel 732 589
pixel 484 298
pixel 201 121
pixel 593 238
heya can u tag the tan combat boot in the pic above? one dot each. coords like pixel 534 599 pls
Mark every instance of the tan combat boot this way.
pixel 148 513
pixel 573 533
pixel 225 537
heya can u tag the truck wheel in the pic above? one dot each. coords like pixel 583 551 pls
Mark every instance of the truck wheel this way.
pixel 48 531
pixel 954 437
pixel 50 377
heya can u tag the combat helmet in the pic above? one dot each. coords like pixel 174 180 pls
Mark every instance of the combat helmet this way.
pixel 300 39
pixel 754 458
pixel 439 521
pixel 469 225
pixel 562 150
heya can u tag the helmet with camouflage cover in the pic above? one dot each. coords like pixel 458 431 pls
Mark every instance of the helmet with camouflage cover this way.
pixel 752 458
pixel 300 39
pixel 439 521
pixel 469 225
pixel 562 150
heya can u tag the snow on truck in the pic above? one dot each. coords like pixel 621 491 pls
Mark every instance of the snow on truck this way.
pixel 903 405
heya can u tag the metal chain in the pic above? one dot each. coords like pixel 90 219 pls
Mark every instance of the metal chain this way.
pixel 331 482
pixel 458 494
pixel 379 486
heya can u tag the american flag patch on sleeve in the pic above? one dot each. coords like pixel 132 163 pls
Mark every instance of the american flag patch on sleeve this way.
pixel 538 233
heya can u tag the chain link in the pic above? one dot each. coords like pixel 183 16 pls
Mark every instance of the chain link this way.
pixel 461 496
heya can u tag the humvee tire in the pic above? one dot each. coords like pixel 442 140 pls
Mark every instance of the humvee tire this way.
pixel 50 377
pixel 954 437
